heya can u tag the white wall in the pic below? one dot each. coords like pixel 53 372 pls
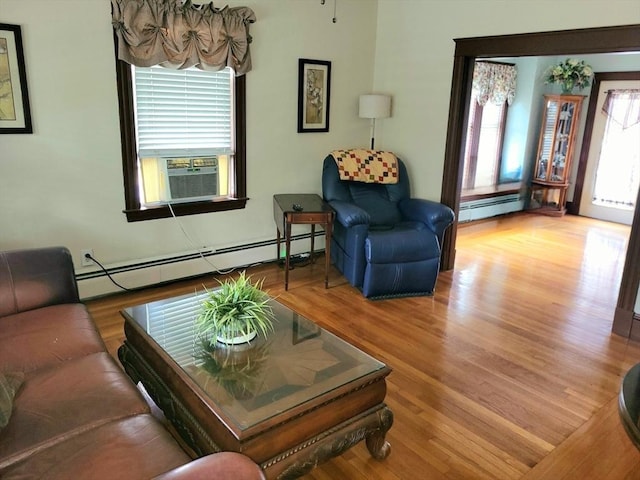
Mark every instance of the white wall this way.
pixel 414 62
pixel 62 185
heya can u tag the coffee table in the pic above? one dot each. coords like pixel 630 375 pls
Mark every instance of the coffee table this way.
pixel 289 402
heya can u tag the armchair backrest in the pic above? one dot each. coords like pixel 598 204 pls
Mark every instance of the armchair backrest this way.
pixel 380 201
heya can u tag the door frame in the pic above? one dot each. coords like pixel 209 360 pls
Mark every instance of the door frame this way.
pixel 625 38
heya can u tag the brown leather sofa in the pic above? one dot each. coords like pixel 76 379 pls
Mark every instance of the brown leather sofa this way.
pixel 72 411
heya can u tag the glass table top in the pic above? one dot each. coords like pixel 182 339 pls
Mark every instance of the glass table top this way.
pixel 296 363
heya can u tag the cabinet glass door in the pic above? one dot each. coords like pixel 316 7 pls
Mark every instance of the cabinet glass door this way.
pixel 547 142
pixel 561 149
pixel 555 142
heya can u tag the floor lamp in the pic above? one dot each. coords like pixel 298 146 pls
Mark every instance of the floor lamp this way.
pixel 374 106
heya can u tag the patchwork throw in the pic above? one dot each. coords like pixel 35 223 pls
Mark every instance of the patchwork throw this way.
pixel 368 166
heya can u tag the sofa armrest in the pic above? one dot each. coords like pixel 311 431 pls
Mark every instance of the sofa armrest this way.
pixel 349 214
pixel 217 466
pixel 436 216
pixel 34 278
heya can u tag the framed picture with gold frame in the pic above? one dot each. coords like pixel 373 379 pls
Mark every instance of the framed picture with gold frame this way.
pixel 15 114
pixel 314 94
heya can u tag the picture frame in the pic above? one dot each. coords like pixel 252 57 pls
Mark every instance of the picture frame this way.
pixel 15 113
pixel 314 95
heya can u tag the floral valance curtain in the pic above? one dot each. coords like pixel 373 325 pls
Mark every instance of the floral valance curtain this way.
pixel 494 82
pixel 179 34
pixel 623 106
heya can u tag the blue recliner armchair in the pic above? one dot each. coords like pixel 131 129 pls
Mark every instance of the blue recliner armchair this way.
pixel 384 242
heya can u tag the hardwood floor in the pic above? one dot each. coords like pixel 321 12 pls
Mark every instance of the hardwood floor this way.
pixel 510 371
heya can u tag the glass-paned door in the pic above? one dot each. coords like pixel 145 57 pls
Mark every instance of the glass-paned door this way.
pixel 612 178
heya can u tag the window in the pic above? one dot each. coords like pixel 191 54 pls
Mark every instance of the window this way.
pixel 183 141
pixel 483 150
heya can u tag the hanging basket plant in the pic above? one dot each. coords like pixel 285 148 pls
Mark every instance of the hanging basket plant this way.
pixel 236 312
pixel 570 74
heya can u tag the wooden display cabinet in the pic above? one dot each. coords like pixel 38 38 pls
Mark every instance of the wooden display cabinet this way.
pixel 555 151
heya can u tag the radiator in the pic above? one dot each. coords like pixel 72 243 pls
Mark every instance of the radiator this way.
pixel 490 207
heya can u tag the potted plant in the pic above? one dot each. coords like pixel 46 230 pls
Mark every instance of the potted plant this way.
pixel 235 312
pixel 570 74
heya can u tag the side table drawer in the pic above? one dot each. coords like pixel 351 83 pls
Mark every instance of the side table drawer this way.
pixel 302 217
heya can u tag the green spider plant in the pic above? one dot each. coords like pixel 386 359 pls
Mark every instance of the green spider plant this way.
pixel 236 309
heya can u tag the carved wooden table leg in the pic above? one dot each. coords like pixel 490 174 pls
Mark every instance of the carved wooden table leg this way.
pixel 376 443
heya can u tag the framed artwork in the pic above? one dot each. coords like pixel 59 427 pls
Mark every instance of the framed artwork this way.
pixel 314 93
pixel 15 116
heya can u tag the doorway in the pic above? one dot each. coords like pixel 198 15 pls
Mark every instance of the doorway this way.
pixel 570 42
pixel 609 177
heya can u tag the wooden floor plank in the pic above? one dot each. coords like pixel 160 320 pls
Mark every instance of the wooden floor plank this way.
pixel 510 371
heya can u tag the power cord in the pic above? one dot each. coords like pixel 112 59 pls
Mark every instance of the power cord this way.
pixel 196 247
pixel 91 257
pixel 193 244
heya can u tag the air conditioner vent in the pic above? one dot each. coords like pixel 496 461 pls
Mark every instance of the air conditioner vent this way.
pixel 192 178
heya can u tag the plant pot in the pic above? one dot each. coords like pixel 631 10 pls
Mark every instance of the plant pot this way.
pixel 237 339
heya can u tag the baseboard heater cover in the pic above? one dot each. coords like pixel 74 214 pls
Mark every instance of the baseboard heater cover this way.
pixel 490 207
pixel 182 258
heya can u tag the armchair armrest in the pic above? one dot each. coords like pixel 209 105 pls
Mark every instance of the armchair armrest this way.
pixel 34 278
pixel 349 214
pixel 436 216
pixel 217 466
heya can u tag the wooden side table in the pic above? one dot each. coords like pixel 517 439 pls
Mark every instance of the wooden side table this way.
pixel 302 208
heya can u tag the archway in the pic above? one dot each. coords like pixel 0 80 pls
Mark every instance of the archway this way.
pixel 624 38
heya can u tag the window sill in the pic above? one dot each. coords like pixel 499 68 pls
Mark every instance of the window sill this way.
pixel 182 209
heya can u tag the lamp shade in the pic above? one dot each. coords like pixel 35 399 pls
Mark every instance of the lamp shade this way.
pixel 375 106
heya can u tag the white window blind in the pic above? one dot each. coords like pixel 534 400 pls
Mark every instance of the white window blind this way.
pixel 183 113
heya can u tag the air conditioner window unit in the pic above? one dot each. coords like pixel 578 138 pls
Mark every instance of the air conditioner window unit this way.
pixel 191 178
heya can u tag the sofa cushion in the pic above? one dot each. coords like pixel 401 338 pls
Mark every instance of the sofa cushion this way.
pixel 133 448
pixel 47 336
pixel 57 403
pixel 9 385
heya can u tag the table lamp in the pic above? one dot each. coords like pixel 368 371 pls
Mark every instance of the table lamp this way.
pixel 374 106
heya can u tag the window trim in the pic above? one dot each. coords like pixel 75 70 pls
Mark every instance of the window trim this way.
pixel 133 206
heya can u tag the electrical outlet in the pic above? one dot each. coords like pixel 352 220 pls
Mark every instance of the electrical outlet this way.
pixel 86 261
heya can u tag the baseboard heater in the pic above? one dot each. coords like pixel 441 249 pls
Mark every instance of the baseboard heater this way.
pixel 186 257
pixel 490 207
